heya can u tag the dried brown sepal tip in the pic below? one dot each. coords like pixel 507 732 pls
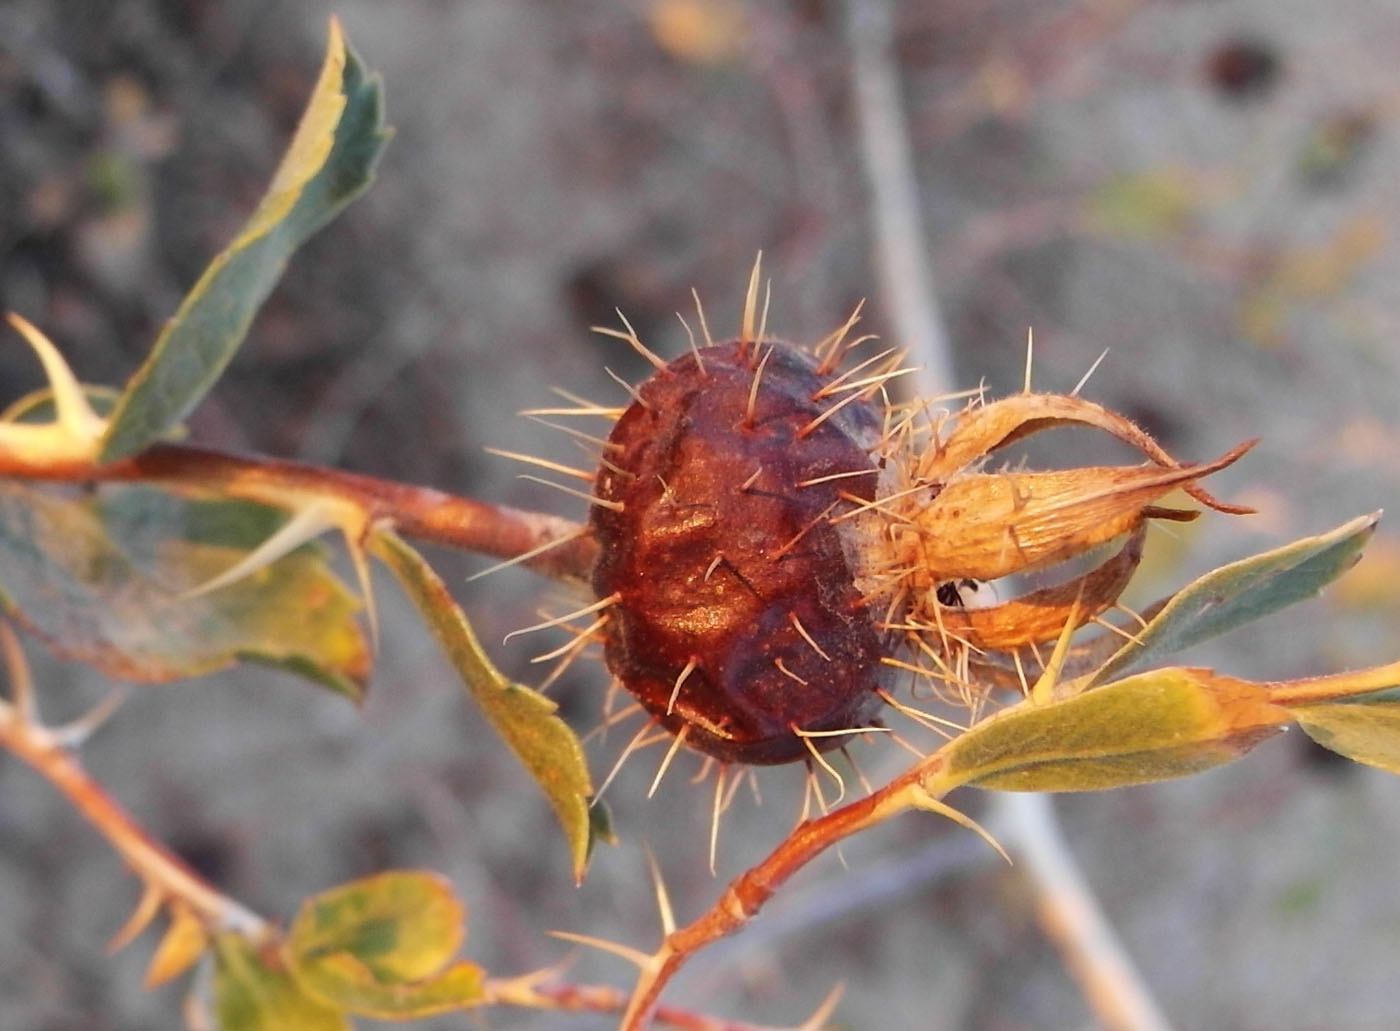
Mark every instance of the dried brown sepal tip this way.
pixel 773 530
pixel 948 519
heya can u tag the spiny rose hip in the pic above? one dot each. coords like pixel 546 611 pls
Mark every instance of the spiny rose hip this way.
pixel 773 535
pixel 737 621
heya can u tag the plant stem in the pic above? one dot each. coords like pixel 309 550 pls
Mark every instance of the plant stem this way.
pixel 906 273
pixel 587 998
pixel 1072 919
pixel 750 891
pixel 418 512
pixel 152 862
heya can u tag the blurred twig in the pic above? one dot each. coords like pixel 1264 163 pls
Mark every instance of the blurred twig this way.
pixel 905 271
pixel 548 544
pixel 166 876
pixel 1071 917
pixel 1066 907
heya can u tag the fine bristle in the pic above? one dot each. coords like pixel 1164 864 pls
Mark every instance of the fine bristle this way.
pixel 751 409
pixel 631 337
pixel 746 331
pixel 700 314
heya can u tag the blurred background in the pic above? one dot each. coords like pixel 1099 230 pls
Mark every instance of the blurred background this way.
pixel 1205 188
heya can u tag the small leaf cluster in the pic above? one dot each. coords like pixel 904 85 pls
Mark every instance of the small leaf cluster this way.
pixel 380 947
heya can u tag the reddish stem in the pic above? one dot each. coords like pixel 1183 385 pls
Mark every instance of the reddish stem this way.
pixel 751 890
pixel 587 998
pixel 155 864
pixel 419 512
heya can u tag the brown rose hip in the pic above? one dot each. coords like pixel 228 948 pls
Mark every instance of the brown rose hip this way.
pixel 737 619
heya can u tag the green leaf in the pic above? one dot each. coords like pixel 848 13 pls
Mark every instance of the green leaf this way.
pixel 330 162
pixel 381 946
pixel 600 825
pixel 102 576
pixel 403 925
pixel 1154 726
pixel 254 992
pixel 1242 592
pixel 525 719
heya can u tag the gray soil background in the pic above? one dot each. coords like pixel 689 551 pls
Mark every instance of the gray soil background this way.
pixel 1205 188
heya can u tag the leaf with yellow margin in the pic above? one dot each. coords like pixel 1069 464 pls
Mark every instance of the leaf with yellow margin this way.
pixel 330 162
pixel 1154 726
pixel 383 946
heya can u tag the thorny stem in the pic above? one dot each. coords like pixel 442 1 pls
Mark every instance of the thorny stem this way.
pixel 419 512
pixel 156 866
pixel 160 869
pixel 585 998
pixel 747 894
pixel 171 878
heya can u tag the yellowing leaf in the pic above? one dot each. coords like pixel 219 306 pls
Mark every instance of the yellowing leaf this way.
pixel 404 925
pixel 102 576
pixel 1366 730
pixel 1356 714
pixel 381 946
pixel 1154 726
pixel 184 942
pixel 254 992
pixel 344 981
pixel 330 162
pixel 525 719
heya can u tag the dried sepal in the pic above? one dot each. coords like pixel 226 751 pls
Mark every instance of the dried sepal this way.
pixel 985 526
pixel 942 517
pixel 984 429
pixel 1041 615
